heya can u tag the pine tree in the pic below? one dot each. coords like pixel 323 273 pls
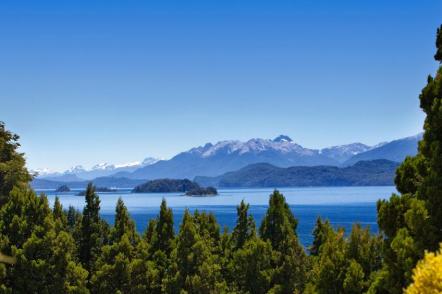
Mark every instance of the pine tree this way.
pixel 278 221
pixel 245 226
pixel 412 222
pixel 290 261
pixel 13 172
pixel 150 230
pixel 320 233
pixel 91 239
pixel 45 256
pixel 195 269
pixel 163 236
pixel 252 267
pixel 160 235
pixel 209 230
pixel 123 224
pixel 59 215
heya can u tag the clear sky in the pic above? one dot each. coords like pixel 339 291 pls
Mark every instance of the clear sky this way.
pixel 84 82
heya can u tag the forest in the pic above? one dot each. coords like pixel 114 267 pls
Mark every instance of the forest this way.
pixel 61 250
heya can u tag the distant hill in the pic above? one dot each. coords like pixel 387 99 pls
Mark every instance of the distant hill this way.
pixel 395 150
pixel 364 173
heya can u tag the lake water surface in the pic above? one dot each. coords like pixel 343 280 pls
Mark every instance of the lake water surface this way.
pixel 343 206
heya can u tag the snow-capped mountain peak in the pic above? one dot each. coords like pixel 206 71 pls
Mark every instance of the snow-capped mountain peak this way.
pixel 145 162
pixel 98 170
pixel 344 152
pixel 103 166
pixel 283 138
pixel 75 169
pixel 281 144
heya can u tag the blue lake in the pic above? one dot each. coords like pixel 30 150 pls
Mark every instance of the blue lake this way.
pixel 343 206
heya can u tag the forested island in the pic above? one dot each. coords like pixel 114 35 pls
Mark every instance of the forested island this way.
pixel 61 250
pixel 186 186
pixel 166 186
pixel 63 189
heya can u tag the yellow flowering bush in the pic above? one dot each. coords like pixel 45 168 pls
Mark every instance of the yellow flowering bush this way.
pixel 427 276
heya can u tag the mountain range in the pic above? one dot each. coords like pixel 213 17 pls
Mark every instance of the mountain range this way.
pixel 79 173
pixel 212 160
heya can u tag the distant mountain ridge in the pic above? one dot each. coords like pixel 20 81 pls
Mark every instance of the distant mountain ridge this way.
pixel 395 150
pixel 224 156
pixel 231 155
pixel 79 173
pixel 263 175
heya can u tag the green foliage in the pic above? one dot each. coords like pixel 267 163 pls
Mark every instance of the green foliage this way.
pixel 252 267
pixel 344 265
pixel 45 256
pixel 438 55
pixel 278 221
pixel 123 225
pixel 412 222
pixel 195 269
pixel 320 233
pixel 289 261
pixel 92 233
pixel 162 234
pixel 12 164
pixel 245 226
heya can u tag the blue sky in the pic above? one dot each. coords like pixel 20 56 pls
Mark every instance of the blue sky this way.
pixel 84 82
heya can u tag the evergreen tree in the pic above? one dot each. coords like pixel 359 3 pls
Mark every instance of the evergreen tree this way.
pixel 430 148
pixel 123 224
pixel 245 226
pixel 320 233
pixel 252 267
pixel 45 257
pixel 278 221
pixel 209 230
pixel 150 230
pixel 195 270
pixel 12 164
pixel 123 266
pixel 113 267
pixel 73 218
pixel 59 215
pixel 160 235
pixel 163 236
pixel 412 222
pixel 92 237
pixel 345 265
pixel 290 261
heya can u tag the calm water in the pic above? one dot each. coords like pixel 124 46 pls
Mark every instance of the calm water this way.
pixel 341 205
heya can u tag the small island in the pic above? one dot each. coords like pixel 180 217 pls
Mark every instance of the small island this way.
pixel 63 189
pixel 166 186
pixel 99 189
pixel 209 191
pixel 186 186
